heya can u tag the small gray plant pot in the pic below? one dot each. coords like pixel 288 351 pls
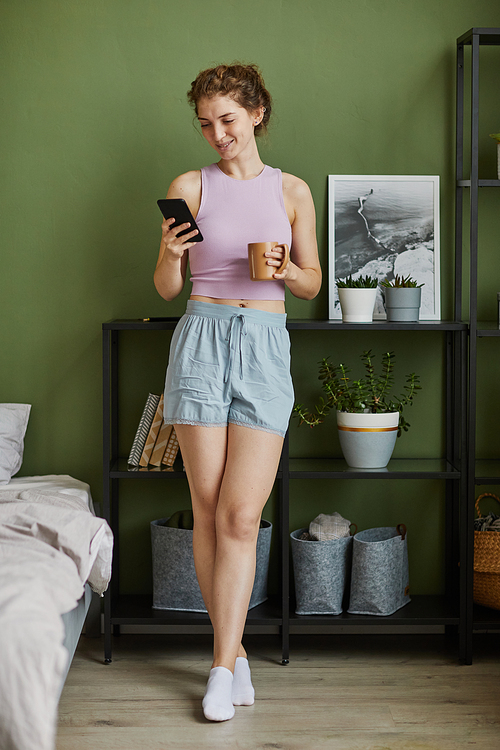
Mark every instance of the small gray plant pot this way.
pixel 322 574
pixel 402 303
pixel 175 585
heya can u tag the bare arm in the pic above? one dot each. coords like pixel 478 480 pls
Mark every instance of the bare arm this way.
pixel 303 273
pixel 170 272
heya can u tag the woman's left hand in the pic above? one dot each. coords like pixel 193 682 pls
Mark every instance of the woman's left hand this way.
pixel 275 258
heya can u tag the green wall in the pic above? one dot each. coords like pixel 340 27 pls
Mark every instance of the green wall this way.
pixel 94 127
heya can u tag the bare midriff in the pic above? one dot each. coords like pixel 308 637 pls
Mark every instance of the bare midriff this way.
pixel 268 305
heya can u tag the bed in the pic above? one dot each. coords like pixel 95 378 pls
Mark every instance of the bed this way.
pixel 54 552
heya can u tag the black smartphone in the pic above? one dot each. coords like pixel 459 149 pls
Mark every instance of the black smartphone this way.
pixel 178 209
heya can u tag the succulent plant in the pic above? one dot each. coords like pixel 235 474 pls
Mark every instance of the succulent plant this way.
pixel 363 282
pixel 400 282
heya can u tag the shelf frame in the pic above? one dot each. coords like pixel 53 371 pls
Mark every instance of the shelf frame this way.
pixel 121 610
pixel 422 610
pixel 398 468
pixel 475 37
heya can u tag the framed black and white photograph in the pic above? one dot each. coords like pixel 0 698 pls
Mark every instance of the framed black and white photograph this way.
pixel 385 226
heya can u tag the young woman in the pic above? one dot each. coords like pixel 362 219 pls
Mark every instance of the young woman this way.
pixel 228 388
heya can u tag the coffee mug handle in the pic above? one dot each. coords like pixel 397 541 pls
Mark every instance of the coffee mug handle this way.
pixel 286 258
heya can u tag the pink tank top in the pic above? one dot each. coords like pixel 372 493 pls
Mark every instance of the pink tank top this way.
pixel 232 214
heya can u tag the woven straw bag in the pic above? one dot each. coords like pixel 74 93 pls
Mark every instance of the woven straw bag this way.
pixel 487 563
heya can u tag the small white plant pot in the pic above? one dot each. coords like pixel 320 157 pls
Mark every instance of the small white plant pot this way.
pixel 357 305
pixel 402 303
pixel 367 440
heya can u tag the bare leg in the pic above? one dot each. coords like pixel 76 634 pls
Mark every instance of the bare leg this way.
pixel 251 465
pixel 231 472
pixel 203 451
pixel 204 454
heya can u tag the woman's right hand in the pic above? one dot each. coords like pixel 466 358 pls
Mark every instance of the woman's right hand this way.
pixel 174 245
pixel 171 267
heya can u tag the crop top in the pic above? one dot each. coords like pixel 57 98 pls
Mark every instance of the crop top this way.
pixel 232 214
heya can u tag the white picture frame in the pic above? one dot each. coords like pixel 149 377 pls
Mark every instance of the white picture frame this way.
pixel 383 225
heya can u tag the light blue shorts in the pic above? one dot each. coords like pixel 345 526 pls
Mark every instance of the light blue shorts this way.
pixel 229 364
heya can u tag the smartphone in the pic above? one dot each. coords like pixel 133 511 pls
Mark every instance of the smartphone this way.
pixel 177 208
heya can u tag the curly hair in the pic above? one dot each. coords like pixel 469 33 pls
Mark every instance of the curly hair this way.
pixel 243 83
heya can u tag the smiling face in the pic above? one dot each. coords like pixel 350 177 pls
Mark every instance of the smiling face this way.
pixel 228 127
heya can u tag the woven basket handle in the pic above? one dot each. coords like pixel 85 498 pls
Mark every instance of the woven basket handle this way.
pixel 485 494
pixel 355 531
pixel 401 529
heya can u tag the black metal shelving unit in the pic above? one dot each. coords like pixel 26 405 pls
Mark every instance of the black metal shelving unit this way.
pixel 138 610
pixel 478 472
pixel 446 610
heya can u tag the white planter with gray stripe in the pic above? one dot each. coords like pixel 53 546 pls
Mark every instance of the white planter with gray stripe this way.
pixel 367 440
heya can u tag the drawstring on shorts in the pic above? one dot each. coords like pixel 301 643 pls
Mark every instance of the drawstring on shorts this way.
pixel 235 320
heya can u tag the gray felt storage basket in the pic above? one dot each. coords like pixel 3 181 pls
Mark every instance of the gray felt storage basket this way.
pixel 380 578
pixel 321 571
pixel 175 585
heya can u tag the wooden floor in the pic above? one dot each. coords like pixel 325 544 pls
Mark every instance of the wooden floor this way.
pixel 345 692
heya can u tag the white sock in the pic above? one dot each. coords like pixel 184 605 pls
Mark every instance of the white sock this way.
pixel 217 703
pixel 243 692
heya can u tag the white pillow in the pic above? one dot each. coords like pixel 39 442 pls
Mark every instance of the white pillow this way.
pixel 13 424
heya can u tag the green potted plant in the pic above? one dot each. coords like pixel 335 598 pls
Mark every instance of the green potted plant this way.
pixel 369 416
pixel 357 298
pixel 402 296
pixel 496 136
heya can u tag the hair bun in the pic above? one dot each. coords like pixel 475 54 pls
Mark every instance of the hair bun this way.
pixel 242 82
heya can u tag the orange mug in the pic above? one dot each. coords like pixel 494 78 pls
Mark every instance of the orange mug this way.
pixel 259 269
